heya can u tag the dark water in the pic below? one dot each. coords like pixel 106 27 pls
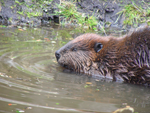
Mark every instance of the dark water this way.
pixel 31 81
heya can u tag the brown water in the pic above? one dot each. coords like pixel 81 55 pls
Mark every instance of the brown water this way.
pixel 31 81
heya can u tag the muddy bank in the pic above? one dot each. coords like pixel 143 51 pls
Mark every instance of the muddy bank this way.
pixel 36 13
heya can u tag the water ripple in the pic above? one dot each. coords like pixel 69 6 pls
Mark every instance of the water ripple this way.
pixel 25 87
pixel 39 106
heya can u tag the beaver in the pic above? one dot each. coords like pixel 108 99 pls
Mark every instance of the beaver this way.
pixel 124 58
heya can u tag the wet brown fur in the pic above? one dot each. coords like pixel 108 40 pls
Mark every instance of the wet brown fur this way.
pixel 126 58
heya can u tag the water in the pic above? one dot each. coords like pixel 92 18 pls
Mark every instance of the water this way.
pixel 31 81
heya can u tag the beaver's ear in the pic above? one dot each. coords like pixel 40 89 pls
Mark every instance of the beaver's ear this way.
pixel 98 47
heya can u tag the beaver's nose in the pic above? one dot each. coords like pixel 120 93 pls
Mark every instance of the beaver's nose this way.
pixel 57 54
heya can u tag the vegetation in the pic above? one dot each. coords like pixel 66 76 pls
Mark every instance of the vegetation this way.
pixel 34 9
pixel 135 14
pixel 69 14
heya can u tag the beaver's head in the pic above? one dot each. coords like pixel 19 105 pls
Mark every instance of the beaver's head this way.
pixel 84 54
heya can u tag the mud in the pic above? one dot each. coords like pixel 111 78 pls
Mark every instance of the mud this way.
pixel 106 11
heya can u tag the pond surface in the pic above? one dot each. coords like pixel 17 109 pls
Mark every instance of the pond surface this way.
pixel 31 81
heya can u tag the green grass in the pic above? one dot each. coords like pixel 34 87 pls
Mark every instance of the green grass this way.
pixel 135 14
pixel 2 26
pixel 68 11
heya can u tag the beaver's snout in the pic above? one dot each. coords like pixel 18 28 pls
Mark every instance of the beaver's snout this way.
pixel 57 54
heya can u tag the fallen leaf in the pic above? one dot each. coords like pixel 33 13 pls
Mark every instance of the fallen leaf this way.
pixel 20 29
pixel 38 40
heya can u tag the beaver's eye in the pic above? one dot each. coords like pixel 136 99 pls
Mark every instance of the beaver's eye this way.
pixel 74 49
pixel 98 47
pixel 64 51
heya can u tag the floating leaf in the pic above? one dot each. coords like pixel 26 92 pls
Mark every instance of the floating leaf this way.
pixel 88 83
pixel 20 111
pixel 11 104
pixel 97 89
pixel 53 42
pixel 57 103
pixel 86 86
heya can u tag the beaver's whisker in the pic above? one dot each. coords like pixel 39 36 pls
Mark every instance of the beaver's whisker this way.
pixel 78 63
